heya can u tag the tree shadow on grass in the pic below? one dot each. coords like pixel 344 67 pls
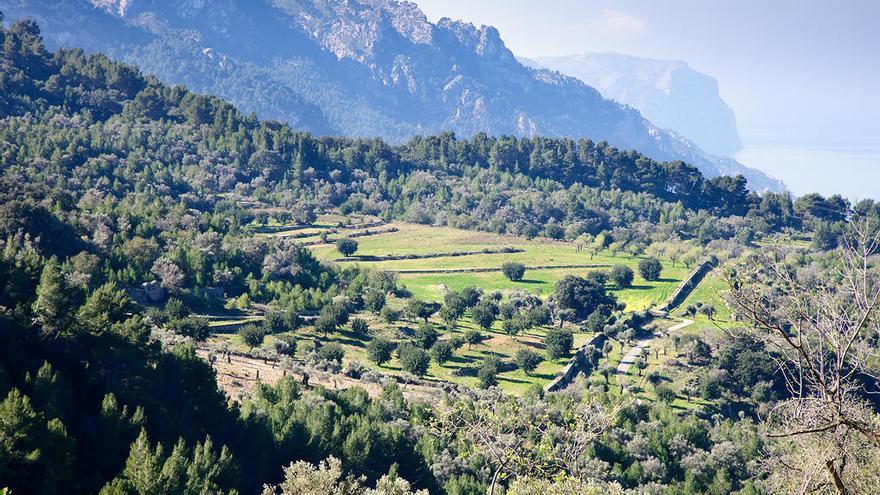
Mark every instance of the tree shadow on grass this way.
pixel 528 281
pixel 510 380
pixel 461 360
pixel 639 287
pixel 543 376
pixel 534 345
pixel 345 341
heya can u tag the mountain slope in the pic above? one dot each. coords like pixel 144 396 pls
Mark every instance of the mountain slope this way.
pixel 669 93
pixel 360 68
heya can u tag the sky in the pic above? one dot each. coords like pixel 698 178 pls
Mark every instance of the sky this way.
pixel 803 76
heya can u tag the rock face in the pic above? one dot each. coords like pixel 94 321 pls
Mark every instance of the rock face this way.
pixel 356 67
pixel 668 93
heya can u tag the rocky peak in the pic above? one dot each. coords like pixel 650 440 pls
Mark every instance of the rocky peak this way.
pixel 484 40
pixel 352 29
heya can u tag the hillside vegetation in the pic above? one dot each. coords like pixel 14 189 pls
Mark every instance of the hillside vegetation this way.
pixel 198 301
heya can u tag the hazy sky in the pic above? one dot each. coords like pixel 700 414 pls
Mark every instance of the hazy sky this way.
pixel 798 73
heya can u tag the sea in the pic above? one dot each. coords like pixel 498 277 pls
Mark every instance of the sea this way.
pixel 848 165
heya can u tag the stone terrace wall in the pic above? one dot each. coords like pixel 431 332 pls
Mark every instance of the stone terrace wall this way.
pixel 580 363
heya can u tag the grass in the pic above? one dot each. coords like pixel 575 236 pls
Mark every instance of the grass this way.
pixel 422 239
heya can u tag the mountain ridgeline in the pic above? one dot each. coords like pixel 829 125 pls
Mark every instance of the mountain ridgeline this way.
pixel 361 68
pixel 667 92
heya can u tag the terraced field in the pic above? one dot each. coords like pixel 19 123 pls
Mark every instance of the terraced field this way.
pixel 547 261
pixel 421 239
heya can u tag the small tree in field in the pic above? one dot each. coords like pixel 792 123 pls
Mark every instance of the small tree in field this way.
pixel 527 360
pixel 708 310
pixel 332 352
pixel 650 269
pixel 425 335
pixel 484 314
pixel 251 335
pixel 413 359
pixel 622 276
pixel 473 337
pixel 640 365
pixel 441 351
pixel 513 271
pixel 488 373
pixel 558 343
pixel 379 351
pixel 347 246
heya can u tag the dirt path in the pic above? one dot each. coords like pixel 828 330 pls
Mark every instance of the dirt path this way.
pixel 630 357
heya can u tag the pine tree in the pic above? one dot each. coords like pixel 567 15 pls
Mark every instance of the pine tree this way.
pixel 52 307
pixel 143 467
pixel 20 452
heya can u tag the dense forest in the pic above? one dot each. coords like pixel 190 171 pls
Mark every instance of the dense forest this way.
pixel 110 179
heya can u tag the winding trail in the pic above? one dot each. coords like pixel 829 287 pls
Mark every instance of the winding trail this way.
pixel 630 357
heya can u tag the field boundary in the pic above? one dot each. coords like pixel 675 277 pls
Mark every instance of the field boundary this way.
pixel 389 230
pixel 687 285
pixel 417 256
pixel 405 271
pixel 580 363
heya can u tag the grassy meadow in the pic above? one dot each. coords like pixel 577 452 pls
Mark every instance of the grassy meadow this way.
pixel 422 239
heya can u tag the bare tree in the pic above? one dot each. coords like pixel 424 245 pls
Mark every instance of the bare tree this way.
pixel 822 332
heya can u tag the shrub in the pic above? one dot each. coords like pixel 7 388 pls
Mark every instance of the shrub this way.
pixel 413 359
pixel 285 345
pixel 346 246
pixel 650 269
pixel 379 351
pixel 527 360
pixel 441 351
pixel 598 276
pixel 622 276
pixel 558 343
pixel 251 335
pixel 513 271
pixel 331 351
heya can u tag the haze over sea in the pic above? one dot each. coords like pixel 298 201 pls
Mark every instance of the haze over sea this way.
pixel 848 164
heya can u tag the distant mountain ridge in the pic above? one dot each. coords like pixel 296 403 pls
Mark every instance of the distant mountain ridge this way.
pixel 360 68
pixel 669 93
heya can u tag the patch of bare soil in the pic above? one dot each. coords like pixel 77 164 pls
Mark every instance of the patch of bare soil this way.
pixel 236 375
